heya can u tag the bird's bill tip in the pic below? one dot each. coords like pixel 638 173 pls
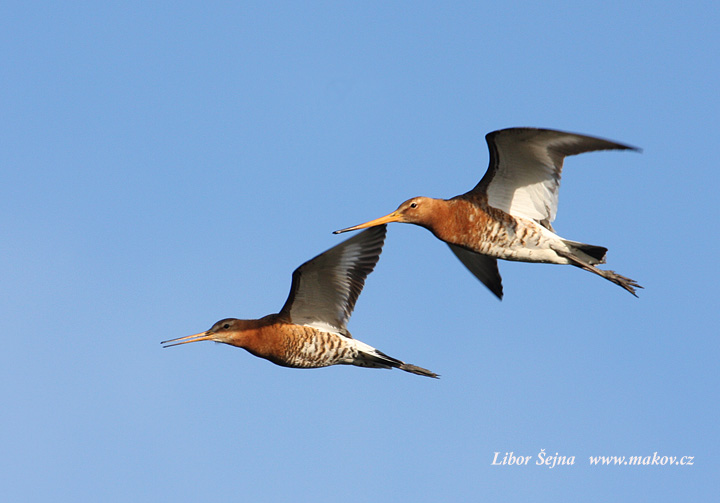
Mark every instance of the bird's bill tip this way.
pixel 392 217
pixel 202 336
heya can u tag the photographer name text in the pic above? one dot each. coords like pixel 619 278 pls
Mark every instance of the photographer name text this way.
pixel 549 460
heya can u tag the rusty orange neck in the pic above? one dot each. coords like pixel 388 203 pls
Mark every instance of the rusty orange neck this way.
pixel 263 337
pixel 456 220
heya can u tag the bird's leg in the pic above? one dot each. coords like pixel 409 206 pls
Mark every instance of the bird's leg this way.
pixel 628 284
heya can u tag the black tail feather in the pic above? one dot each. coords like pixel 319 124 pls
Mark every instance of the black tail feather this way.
pixel 628 284
pixel 384 361
pixel 597 253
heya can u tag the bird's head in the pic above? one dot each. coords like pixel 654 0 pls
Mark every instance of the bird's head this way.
pixel 222 331
pixel 417 210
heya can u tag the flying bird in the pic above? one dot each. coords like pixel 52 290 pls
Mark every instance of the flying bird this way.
pixel 309 331
pixel 508 214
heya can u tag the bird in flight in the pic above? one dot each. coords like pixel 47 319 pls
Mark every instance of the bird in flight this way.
pixel 309 331
pixel 508 214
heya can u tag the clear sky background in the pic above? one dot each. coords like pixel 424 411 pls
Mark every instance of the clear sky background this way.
pixel 164 165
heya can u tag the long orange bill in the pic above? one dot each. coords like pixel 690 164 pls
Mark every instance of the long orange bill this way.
pixel 392 217
pixel 203 336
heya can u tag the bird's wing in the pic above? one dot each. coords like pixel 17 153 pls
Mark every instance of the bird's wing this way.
pixel 482 266
pixel 523 178
pixel 324 290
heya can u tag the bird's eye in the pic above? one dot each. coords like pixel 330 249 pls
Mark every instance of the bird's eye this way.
pixel 226 326
pixel 413 205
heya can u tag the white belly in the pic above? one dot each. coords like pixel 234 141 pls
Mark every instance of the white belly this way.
pixel 526 241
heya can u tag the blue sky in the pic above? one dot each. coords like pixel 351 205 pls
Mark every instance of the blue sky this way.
pixel 165 165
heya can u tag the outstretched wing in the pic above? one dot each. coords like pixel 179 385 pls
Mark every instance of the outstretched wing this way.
pixel 484 268
pixel 523 178
pixel 324 290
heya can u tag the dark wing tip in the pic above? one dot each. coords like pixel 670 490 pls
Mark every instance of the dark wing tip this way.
pixel 483 267
pixel 498 291
pixel 372 241
pixel 332 280
pixel 526 133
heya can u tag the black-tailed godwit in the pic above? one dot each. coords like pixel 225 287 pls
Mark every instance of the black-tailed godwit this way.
pixel 309 331
pixel 508 214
